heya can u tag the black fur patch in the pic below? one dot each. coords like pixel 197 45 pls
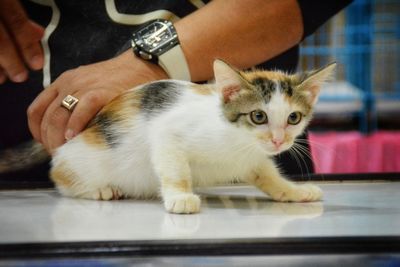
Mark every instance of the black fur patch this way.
pixel 105 124
pixel 158 96
pixel 265 87
pixel 268 87
pixel 286 88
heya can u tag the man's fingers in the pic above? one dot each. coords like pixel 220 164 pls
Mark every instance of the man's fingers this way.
pixel 49 121
pixel 12 12
pixel 60 124
pixel 88 106
pixel 37 110
pixel 23 33
pixel 29 45
pixel 53 125
pixel 10 61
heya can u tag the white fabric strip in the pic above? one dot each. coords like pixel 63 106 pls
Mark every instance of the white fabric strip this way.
pixel 197 3
pixel 55 19
pixel 174 63
pixel 130 19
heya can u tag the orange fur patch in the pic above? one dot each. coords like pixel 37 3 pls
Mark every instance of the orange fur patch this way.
pixel 202 89
pixel 125 105
pixel 264 136
pixel 91 136
pixel 269 75
pixel 268 136
pixel 258 181
pixel 181 185
pixel 62 176
pixel 122 109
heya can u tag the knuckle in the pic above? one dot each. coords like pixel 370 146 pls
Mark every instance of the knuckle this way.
pixel 56 118
pixel 93 98
pixel 29 46
pixel 63 76
pixel 64 82
pixel 31 112
pixel 66 75
pixel 17 20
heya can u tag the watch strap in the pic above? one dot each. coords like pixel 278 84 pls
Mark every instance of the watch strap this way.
pixel 174 64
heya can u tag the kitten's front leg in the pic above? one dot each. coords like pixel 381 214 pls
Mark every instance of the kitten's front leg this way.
pixel 173 169
pixel 268 179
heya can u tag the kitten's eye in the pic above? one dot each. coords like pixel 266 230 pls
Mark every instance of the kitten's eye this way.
pixel 259 117
pixel 294 118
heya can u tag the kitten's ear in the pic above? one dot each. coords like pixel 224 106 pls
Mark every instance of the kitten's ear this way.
pixel 227 79
pixel 312 81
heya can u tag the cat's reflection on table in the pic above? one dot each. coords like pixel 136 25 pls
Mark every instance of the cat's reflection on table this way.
pixel 222 216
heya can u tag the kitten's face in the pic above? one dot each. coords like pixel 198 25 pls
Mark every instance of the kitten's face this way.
pixel 276 116
pixel 272 107
pixel 276 123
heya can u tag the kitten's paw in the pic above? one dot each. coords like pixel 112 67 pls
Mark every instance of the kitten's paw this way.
pixel 182 204
pixel 108 193
pixel 299 193
pixel 308 193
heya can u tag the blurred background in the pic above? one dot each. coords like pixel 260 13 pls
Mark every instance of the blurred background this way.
pixel 357 122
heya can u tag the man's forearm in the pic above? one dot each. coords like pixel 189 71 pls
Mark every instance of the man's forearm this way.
pixel 244 33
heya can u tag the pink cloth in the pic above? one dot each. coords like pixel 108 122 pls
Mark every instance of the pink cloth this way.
pixel 353 152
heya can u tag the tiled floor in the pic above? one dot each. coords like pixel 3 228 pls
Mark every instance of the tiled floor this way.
pixel 348 209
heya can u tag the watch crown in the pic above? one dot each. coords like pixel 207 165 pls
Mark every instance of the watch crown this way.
pixel 145 55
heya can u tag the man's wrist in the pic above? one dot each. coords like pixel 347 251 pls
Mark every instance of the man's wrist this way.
pixel 141 69
pixel 158 42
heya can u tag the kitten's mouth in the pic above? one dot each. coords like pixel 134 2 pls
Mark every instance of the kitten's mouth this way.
pixel 275 150
pixel 272 149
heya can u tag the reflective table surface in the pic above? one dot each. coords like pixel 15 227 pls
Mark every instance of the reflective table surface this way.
pixel 348 209
pixel 354 217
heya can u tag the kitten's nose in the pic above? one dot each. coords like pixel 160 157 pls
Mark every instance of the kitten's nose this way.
pixel 277 142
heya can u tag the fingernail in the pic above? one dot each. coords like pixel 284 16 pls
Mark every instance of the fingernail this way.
pixel 36 62
pixel 20 77
pixel 69 134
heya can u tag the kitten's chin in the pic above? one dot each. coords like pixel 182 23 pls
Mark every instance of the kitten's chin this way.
pixel 273 151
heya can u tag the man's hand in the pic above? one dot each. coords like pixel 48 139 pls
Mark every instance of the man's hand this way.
pixel 19 42
pixel 94 85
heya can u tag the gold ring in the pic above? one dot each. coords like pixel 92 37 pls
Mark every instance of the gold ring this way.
pixel 69 102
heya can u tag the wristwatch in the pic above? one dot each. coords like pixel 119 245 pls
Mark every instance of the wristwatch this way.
pixel 158 42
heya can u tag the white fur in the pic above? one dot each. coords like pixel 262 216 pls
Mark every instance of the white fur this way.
pixel 194 132
pixel 215 149
pixel 191 141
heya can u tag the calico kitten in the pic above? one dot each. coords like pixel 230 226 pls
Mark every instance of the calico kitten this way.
pixel 167 137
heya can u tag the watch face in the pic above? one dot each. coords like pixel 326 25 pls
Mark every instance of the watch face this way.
pixel 156 37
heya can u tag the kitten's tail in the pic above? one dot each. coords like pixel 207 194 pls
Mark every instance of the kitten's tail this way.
pixel 22 156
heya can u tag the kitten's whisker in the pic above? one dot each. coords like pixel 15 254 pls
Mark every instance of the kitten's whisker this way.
pixel 306 152
pixel 317 145
pixel 300 145
pixel 244 150
pixel 299 158
pixel 300 151
pixel 292 152
pixel 241 148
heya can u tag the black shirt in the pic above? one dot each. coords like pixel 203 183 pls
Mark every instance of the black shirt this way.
pixel 84 32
